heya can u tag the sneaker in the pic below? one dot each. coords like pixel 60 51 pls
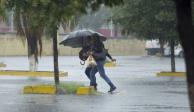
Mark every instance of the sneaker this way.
pixel 95 88
pixel 112 89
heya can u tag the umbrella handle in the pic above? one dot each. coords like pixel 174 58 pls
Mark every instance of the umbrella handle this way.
pixel 82 63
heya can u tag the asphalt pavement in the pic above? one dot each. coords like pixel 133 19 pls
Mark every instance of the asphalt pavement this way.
pixel 139 89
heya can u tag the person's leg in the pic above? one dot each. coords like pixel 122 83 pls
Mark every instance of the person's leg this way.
pixel 93 71
pixel 100 67
pixel 87 72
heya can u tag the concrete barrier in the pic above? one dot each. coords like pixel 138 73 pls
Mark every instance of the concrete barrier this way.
pixel 39 89
pixel 2 65
pixel 85 90
pixel 110 64
pixel 31 74
pixel 171 74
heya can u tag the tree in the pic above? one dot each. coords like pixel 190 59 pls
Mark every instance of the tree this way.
pixel 29 23
pixel 56 12
pixel 186 35
pixel 2 9
pixel 95 20
pixel 59 9
pixel 37 16
pixel 145 20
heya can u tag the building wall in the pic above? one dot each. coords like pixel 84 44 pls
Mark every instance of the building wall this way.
pixel 10 45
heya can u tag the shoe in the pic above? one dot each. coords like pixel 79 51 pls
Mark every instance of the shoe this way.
pixel 95 88
pixel 112 89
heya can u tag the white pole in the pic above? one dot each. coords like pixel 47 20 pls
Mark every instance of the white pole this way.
pixel 12 22
pixel 111 28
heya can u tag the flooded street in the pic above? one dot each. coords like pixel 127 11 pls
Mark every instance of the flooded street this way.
pixel 139 89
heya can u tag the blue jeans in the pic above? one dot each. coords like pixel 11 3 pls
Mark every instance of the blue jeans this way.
pixel 99 68
pixel 88 70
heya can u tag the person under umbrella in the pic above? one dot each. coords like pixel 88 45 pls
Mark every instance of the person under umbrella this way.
pixel 99 53
pixel 77 39
pixel 89 68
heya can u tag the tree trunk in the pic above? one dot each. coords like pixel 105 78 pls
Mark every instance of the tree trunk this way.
pixel 186 33
pixel 161 47
pixel 172 56
pixel 32 63
pixel 32 52
pixel 55 54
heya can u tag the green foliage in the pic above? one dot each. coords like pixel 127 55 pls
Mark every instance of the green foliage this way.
pixel 33 17
pixel 71 88
pixel 2 10
pixel 95 20
pixel 147 19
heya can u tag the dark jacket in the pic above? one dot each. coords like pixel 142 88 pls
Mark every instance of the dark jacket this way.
pixel 100 52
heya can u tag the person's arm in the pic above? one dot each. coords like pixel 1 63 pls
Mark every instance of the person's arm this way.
pixel 109 56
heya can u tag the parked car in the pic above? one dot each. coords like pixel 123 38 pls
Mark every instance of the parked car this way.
pixel 152 47
pixel 178 51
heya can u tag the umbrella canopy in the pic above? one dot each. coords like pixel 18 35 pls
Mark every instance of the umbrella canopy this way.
pixel 78 38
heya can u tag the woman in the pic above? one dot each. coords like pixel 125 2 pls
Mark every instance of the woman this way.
pixel 89 68
pixel 99 53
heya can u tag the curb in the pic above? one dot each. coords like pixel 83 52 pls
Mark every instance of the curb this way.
pixel 85 90
pixel 39 89
pixel 31 74
pixel 171 74
pixel 110 64
pixel 2 65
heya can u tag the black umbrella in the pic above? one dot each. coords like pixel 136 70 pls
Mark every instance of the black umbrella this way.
pixel 78 38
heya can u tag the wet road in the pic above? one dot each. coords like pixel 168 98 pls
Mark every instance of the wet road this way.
pixel 139 90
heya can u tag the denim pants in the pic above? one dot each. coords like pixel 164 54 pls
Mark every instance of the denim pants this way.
pixel 99 68
pixel 88 70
